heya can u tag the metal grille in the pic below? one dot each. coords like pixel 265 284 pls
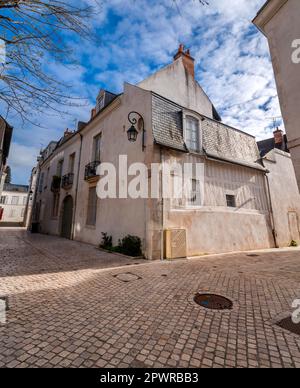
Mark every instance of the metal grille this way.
pixel 213 302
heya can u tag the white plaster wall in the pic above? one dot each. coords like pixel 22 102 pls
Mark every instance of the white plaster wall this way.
pixel 281 30
pixel 117 217
pixel 48 223
pixel 285 196
pixel 214 227
pixel 176 84
pixel 18 216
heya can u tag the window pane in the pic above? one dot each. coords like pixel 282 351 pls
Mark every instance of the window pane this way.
pixel 192 133
pixel 96 148
pixel 92 207
pixel 231 201
pixel 15 200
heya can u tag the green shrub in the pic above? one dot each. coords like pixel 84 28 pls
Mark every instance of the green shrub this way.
pixel 293 243
pixel 106 241
pixel 131 246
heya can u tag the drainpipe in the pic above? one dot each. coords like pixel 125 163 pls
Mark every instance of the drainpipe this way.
pixel 162 208
pixel 77 185
pixel 271 210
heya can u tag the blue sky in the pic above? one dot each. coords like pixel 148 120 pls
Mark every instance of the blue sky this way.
pixel 137 37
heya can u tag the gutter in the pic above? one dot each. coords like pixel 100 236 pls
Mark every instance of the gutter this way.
pixel 224 160
pixel 271 206
pixel 162 248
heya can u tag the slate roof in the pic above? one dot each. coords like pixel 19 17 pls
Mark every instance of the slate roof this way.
pixel 220 141
pixel 16 188
pixel 267 145
pixel 167 123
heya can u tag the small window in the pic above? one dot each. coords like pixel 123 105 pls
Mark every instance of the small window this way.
pixel 72 163
pixel 192 137
pixel 41 182
pixel 15 200
pixel 194 193
pixel 100 103
pixel 92 207
pixel 96 148
pixel 3 200
pixel 231 200
pixel 55 206
pixel 60 168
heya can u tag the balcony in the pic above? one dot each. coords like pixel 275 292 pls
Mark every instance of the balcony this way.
pixel 67 181
pixel 91 171
pixel 55 185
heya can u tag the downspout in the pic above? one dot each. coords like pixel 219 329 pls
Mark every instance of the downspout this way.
pixel 77 186
pixel 271 210
pixel 162 249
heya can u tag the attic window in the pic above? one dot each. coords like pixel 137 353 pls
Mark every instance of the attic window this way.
pixel 231 200
pixel 192 137
pixel 100 103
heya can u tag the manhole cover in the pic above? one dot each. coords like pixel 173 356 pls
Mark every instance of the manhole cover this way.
pixel 127 277
pixel 289 325
pixel 213 302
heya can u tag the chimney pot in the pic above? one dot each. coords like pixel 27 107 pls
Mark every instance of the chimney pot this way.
pixel 278 136
pixel 188 61
pixel 93 113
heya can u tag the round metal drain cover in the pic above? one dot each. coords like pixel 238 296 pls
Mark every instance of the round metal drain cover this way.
pixel 127 277
pixel 213 302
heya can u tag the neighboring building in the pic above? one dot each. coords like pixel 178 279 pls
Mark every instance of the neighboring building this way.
pixel 5 139
pixel 279 21
pixel 13 201
pixel 284 195
pixel 182 125
pixel 278 141
pixel 28 219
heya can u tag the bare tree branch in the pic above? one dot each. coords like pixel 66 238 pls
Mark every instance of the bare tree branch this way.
pixel 34 30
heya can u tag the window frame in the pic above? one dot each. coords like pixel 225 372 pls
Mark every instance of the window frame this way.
pixel 187 116
pixel 59 168
pixel 14 200
pixel 230 197
pixel 72 158
pixel 96 158
pixel 55 205
pixel 91 221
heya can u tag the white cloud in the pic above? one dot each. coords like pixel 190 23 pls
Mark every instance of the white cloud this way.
pixel 138 37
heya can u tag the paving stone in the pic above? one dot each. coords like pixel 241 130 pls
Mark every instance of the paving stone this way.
pixel 70 309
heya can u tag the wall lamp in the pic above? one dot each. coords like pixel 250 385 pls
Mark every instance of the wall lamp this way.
pixel 133 132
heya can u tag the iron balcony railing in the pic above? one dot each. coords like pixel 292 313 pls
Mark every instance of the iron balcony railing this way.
pixel 91 170
pixel 56 183
pixel 67 181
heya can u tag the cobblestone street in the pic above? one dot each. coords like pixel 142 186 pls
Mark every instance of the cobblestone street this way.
pixel 69 307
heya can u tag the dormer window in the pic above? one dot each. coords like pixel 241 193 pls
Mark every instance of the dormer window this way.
pixel 192 135
pixel 100 102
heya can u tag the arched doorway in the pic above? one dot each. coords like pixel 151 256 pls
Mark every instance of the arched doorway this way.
pixel 67 217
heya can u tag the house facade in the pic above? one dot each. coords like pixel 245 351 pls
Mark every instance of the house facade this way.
pixel 278 20
pixel 13 201
pixel 227 207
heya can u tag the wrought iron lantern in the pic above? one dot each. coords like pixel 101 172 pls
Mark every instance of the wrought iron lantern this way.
pixel 133 132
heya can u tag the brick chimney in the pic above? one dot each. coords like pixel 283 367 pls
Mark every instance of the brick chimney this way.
pixel 188 61
pixel 68 132
pixel 278 136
